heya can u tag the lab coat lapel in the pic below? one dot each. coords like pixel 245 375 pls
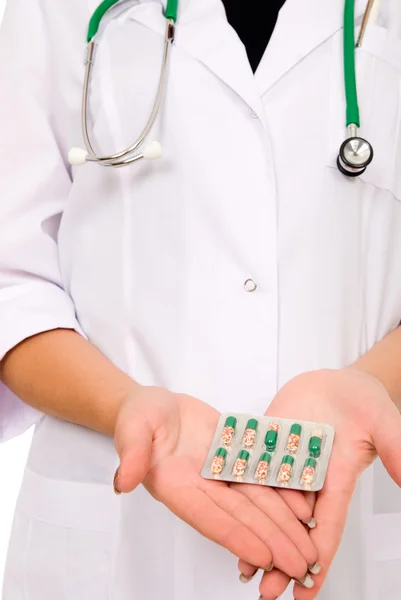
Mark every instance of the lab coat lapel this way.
pixel 204 33
pixel 301 27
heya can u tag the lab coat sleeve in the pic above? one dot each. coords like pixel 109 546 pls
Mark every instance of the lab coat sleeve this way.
pixel 34 185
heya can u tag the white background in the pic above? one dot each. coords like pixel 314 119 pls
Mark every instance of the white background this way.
pixel 12 460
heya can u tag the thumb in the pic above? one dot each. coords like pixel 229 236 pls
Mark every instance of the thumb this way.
pixel 387 440
pixel 133 441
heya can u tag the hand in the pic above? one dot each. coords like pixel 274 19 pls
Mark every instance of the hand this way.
pixel 367 424
pixel 301 505
pixel 163 440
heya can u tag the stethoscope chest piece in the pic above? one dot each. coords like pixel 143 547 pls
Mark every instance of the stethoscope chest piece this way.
pixel 355 156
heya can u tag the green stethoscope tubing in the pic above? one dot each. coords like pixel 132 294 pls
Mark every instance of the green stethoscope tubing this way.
pixel 351 92
pixel 171 13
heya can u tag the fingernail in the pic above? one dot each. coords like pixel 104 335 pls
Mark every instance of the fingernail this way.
pixel 311 523
pixel 116 476
pixel 269 568
pixel 306 582
pixel 315 569
pixel 244 579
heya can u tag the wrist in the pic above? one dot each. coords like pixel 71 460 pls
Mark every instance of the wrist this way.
pixel 364 369
pixel 128 392
pixel 383 362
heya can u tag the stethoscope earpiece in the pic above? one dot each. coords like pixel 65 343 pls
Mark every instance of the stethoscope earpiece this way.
pixel 77 156
pixel 152 151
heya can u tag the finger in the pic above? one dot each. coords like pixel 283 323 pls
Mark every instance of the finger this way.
pixel 387 440
pixel 310 498
pixel 133 442
pixel 197 509
pixel 331 513
pixel 273 584
pixel 301 504
pixel 247 571
pixel 273 506
pixel 285 554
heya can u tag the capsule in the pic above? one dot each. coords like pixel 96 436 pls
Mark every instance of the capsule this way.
pixel 308 473
pixel 285 472
pixel 241 463
pixel 218 462
pixel 227 435
pixel 294 438
pixel 315 444
pixel 271 437
pixel 262 470
pixel 249 437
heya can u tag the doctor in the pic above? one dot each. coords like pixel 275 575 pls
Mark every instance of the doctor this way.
pixel 240 272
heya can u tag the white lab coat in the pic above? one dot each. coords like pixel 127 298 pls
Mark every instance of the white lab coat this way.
pixel 149 262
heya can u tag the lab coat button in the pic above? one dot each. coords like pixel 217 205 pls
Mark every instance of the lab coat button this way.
pixel 252 113
pixel 250 285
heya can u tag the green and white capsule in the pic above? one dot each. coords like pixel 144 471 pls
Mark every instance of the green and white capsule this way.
pixel 249 437
pixel 228 433
pixel 262 470
pixel 271 437
pixel 241 463
pixel 294 438
pixel 285 472
pixel 219 461
pixel 309 471
pixel 315 444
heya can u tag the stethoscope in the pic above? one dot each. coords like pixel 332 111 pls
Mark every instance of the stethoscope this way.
pixel 355 153
pixel 151 150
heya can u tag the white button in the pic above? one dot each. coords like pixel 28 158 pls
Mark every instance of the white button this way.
pixel 252 113
pixel 250 285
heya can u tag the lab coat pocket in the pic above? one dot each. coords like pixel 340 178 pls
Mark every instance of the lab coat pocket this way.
pixel 378 73
pixel 62 541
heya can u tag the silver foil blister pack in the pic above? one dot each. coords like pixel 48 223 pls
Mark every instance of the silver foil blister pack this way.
pixel 270 451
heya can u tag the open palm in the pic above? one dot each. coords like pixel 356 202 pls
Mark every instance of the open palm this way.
pixel 367 424
pixel 163 440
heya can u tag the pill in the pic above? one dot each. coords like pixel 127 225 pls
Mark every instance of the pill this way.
pixel 262 470
pixel 227 435
pixel 308 473
pixel 241 463
pixel 315 444
pixel 285 472
pixel 294 438
pixel 218 462
pixel 249 438
pixel 271 436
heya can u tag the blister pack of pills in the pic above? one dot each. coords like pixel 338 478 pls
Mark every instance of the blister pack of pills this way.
pixel 270 451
